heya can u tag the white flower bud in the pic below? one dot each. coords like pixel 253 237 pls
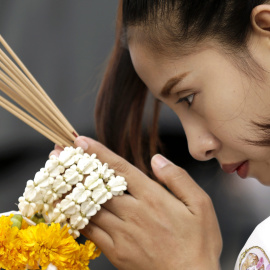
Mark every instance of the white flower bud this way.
pixel 104 172
pixel 78 222
pixel 74 233
pixel 92 181
pixel 51 267
pixel 60 219
pixel 66 157
pixel 26 208
pixel 39 205
pixel 100 194
pixel 50 197
pixel 86 164
pixel 60 186
pixel 53 166
pixel 33 194
pixel 57 216
pixel 79 151
pixel 46 207
pixel 42 178
pixel 72 176
pixel 30 183
pixel 117 185
pixel 68 207
pixel 89 208
pixel 80 194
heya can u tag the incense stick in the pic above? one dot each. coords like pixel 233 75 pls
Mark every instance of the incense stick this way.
pixel 39 110
pixel 30 76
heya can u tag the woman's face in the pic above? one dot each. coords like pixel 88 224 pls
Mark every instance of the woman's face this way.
pixel 215 102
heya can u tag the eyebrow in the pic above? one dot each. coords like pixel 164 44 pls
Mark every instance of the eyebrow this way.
pixel 167 88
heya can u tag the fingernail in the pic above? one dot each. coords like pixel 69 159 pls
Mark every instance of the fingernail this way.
pixel 160 161
pixel 81 143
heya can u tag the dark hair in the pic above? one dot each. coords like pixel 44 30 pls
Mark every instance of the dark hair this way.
pixel 183 23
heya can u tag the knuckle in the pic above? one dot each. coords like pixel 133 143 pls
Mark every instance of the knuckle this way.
pixel 178 172
pixel 175 176
pixel 135 218
pixel 120 256
pixel 120 166
pixel 204 201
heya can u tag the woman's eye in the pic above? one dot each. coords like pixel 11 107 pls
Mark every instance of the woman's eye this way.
pixel 188 99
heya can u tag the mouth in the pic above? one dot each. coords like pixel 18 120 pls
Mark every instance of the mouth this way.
pixel 241 168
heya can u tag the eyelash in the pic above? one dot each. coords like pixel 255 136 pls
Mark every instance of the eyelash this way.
pixel 186 99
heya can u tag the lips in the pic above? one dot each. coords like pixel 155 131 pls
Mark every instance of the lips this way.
pixel 240 167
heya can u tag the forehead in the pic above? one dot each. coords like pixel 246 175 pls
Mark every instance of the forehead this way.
pixel 156 69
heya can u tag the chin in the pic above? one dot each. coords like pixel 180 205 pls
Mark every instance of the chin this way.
pixel 261 172
pixel 263 179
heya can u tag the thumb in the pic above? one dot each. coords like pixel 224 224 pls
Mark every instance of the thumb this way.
pixel 177 180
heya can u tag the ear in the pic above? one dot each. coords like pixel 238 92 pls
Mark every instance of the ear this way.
pixel 260 19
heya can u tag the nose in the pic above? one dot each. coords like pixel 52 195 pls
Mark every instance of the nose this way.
pixel 202 144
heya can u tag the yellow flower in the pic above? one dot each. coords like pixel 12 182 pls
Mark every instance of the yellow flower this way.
pixel 24 225
pixel 53 244
pixel 47 244
pixel 40 245
pixel 10 252
pixel 88 251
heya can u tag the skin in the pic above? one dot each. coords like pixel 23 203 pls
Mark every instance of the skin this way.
pixel 152 228
pixel 225 101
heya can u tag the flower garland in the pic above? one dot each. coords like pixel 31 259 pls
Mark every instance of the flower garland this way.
pixel 60 201
pixel 88 182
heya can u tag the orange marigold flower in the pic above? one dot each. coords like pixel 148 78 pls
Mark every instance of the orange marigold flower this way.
pixel 10 249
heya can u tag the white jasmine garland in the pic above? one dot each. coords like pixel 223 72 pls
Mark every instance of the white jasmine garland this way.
pixel 88 182
pixel 89 208
pixel 59 186
pixel 80 193
pixel 92 181
pixel 101 194
pixel 70 156
pixel 117 185
pixel 87 163
pixel 104 172
pixel 54 167
pixel 72 176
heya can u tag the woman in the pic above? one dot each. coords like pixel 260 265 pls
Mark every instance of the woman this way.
pixel 209 61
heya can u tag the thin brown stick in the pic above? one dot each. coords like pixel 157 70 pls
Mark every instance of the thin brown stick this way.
pixel 22 91
pixel 33 123
pixel 17 75
pixel 19 84
pixel 12 69
pixel 30 76
pixel 25 104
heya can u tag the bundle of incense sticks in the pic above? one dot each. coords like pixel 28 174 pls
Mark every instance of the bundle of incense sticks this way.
pixel 36 108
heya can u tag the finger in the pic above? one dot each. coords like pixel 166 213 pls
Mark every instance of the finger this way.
pixel 107 221
pixel 55 153
pixel 120 206
pixel 137 181
pixel 99 237
pixel 177 180
pixel 57 147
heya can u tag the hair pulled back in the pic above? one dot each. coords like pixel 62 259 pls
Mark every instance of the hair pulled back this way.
pixel 175 24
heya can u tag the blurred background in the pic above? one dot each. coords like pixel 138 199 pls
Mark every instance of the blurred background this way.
pixel 65 45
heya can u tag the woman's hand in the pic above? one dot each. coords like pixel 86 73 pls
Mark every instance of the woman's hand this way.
pixel 152 228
